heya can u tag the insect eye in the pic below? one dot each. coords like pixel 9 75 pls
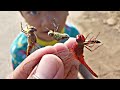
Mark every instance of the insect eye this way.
pixel 50 34
pixel 66 36
pixel 32 30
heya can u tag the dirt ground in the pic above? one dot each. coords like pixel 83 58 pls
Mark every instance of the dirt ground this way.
pixel 105 60
pixel 10 27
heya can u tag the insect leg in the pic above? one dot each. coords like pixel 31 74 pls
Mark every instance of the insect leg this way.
pixel 88 48
pixel 94 48
pixel 47 28
pixel 89 41
pixel 94 40
pixel 96 36
pixel 97 47
pixel 55 25
pixel 21 27
pixel 87 35
pixel 28 50
pixel 22 30
pixel 37 45
pixel 90 44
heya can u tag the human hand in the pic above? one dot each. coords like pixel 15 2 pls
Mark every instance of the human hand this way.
pixel 51 62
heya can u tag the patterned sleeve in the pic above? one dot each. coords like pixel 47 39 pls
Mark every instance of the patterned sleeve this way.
pixel 18 50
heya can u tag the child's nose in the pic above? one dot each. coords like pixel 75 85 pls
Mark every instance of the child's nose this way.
pixel 46 22
pixel 49 21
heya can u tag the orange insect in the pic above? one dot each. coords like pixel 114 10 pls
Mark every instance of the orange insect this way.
pixel 78 47
pixel 32 38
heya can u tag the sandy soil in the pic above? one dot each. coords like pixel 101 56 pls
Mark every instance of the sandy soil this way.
pixel 9 24
pixel 105 61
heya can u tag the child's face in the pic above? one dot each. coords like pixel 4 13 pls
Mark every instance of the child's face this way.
pixel 43 19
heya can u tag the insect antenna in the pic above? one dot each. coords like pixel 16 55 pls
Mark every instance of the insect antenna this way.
pixel 21 27
pixel 47 28
pixel 97 36
pixel 24 31
pixel 55 25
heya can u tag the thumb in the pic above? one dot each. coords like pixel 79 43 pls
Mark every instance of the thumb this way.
pixel 50 67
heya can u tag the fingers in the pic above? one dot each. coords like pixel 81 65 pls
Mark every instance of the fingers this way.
pixel 71 65
pixel 25 68
pixel 50 67
pixel 70 42
pixel 73 70
pixel 62 51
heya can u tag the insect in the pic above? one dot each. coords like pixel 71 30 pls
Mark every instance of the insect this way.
pixel 78 47
pixel 29 32
pixel 56 35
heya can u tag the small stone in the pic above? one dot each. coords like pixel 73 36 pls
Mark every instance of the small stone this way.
pixel 111 21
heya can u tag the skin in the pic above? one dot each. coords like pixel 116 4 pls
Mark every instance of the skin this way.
pixel 42 19
pixel 51 62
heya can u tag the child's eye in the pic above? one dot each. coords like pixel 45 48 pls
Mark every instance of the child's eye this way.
pixel 33 12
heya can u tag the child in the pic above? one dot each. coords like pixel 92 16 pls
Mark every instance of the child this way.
pixel 40 20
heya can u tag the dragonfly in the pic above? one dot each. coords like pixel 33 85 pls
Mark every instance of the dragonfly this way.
pixel 78 49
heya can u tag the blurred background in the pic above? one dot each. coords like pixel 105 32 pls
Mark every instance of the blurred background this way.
pixel 105 61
